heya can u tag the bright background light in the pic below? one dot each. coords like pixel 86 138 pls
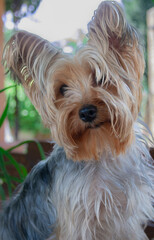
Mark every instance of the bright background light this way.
pixel 58 19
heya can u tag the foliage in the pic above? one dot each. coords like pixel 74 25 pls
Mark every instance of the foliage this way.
pixel 136 11
pixel 28 117
pixel 7 160
pixel 21 8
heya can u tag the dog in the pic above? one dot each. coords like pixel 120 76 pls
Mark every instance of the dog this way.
pixel 97 184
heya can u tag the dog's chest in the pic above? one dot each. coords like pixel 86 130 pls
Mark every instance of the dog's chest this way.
pixel 89 198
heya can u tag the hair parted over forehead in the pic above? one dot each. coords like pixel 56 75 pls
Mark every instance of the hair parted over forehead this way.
pixel 105 73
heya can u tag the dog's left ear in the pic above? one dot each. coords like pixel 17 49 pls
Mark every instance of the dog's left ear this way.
pixel 30 59
pixel 118 43
pixel 108 26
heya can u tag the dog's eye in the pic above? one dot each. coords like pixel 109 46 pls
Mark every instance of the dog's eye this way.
pixel 63 89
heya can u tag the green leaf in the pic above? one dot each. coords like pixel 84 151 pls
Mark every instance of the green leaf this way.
pixel 5 173
pixel 24 171
pixel 20 168
pixel 29 141
pixel 18 145
pixel 4 114
pixel 2 90
pixel 16 179
pixel 2 193
pixel 40 150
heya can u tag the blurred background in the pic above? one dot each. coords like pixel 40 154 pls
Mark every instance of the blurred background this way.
pixel 64 23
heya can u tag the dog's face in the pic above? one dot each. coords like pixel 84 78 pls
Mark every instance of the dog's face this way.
pixel 91 100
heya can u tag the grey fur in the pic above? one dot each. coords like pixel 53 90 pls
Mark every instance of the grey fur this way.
pixel 62 199
pixel 21 216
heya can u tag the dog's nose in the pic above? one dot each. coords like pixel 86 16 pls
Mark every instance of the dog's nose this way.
pixel 88 113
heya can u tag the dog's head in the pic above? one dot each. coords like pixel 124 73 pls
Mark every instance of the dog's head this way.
pixel 91 100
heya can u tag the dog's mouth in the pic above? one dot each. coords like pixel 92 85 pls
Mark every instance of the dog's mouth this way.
pixel 98 125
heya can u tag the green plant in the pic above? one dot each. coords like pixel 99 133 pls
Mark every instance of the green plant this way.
pixel 28 118
pixel 7 181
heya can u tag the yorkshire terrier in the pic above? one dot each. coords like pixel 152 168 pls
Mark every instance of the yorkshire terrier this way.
pixel 98 182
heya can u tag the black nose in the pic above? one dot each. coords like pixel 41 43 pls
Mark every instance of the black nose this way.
pixel 88 113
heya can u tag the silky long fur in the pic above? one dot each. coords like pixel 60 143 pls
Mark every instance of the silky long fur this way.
pixel 98 182
pixel 62 199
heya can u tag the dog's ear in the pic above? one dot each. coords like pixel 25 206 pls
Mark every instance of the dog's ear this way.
pixel 118 43
pixel 30 58
pixel 109 28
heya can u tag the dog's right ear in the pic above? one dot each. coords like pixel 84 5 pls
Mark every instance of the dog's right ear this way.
pixel 29 58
